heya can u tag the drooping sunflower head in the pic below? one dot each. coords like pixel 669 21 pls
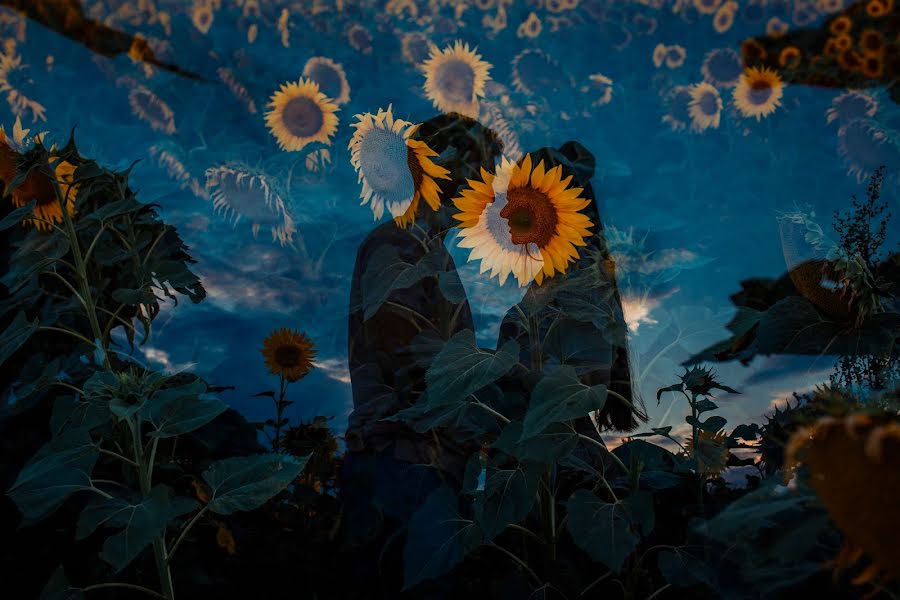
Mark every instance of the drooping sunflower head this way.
pixel 865 146
pixel 843 457
pixel 851 105
pixel 288 353
pixel 240 193
pixel 678 107
pixel 395 170
pixel 705 107
pixel 300 114
pixel 758 93
pixel 711 452
pixel 14 82
pixel 39 187
pixel 454 78
pixel 331 78
pixel 536 72
pixel 524 220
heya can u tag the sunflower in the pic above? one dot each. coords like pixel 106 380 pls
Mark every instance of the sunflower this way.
pixel 13 74
pixel 843 457
pixel 300 114
pixel 871 41
pixel 851 105
pixel 530 27
pixel 790 57
pixel 415 46
pixel 148 107
pixel 776 28
pixel 879 8
pixel 711 452
pixel 865 146
pixel 237 89
pixel 331 78
pixel 705 107
pixel 455 78
pixel 840 25
pixel 394 169
pixel 524 221
pixel 202 15
pixel 758 93
pixel 753 51
pixel 873 66
pixel 850 60
pixel 722 67
pixel 533 72
pixel 288 353
pixel 724 18
pixel 38 186
pixel 243 194
pixel 707 7
pixel 360 39
pixel 678 105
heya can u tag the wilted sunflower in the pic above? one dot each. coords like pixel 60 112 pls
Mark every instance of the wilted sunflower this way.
pixel 149 108
pixel 242 194
pixel 865 146
pixel 288 353
pixel 758 93
pixel 705 107
pixel 38 186
pixel 852 465
pixel 300 114
pixel 523 221
pixel 711 452
pixel 455 78
pixel 722 67
pixel 331 78
pixel 394 169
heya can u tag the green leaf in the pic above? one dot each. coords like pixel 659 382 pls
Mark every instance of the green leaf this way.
pixel 462 368
pixel 553 444
pixel 682 569
pixel 387 271
pixel 113 209
pixel 143 295
pixel 608 531
pixel 60 468
pixel 712 424
pixel 706 405
pixel 140 524
pixel 247 482
pixel 15 335
pixel 70 413
pixel 558 397
pixel 59 588
pixel 510 490
pixel 180 410
pixel 451 286
pixel 17 216
pixel 677 387
pixel 438 539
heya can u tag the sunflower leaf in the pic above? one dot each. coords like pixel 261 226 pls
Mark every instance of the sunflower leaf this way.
pixel 180 410
pixel 607 531
pixel 462 368
pixel 558 397
pixel 17 216
pixel 247 482
pixel 387 271
pixel 59 588
pixel 15 335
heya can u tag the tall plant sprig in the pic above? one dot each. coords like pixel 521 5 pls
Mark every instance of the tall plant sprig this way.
pixel 108 426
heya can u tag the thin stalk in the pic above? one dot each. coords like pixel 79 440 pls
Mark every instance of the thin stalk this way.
pixel 152 460
pixel 519 562
pixel 184 531
pixel 526 531
pixel 659 591
pixel 68 331
pixel 124 459
pixel 279 411
pixel 595 582
pixel 487 408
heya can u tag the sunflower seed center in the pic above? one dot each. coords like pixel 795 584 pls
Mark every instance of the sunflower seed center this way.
pixel 531 216
pixel 303 117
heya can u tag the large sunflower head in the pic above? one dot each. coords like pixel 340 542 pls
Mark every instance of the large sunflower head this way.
pixel 300 114
pixel 523 220
pixel 758 93
pixel 395 170
pixel 151 109
pixel 455 78
pixel 705 107
pixel 288 353
pixel 331 78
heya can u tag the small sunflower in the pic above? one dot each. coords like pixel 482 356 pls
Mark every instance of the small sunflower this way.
pixel 530 28
pixel 523 221
pixel 711 452
pixel 705 107
pixel 288 353
pixel 758 93
pixel 776 28
pixel 707 7
pixel 415 46
pixel 13 80
pixel 865 146
pixel 678 107
pixel 202 15
pixel 850 60
pixel 300 114
pixel 331 78
pixel 873 66
pixel 455 78
pixel 724 18
pixel 753 52
pixel 722 67
pixel 359 38
pixel 879 8
pixel 840 25
pixel 790 57
pixel 237 89
pixel 394 169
